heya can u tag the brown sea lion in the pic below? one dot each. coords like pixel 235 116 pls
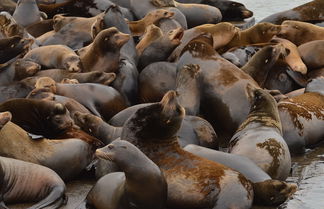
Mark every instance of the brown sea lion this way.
pixel 260 136
pixel 266 190
pixel 138 27
pixel 293 58
pixel 66 157
pixel 124 190
pixel 40 117
pixel 309 12
pixel 106 46
pixel 55 56
pixel 152 33
pixel 222 34
pixel 39 28
pixel 303 116
pixel 156 126
pixel 24 182
pixel 300 32
pixel 259 33
pixel 311 53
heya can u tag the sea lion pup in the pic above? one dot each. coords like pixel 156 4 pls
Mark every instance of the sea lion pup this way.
pixel 266 190
pixel 154 127
pixel 152 33
pixel 55 56
pixel 260 136
pixel 25 19
pixel 140 185
pixel 293 59
pixel 311 53
pixel 300 32
pixel 259 33
pixel 40 117
pixel 24 182
pixel 309 12
pixel 221 34
pixel 89 77
pixel 261 63
pixel 303 117
pixel 160 49
pixel 106 46
pixel 138 27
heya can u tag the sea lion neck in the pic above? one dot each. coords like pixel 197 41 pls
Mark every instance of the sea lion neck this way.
pixel 200 47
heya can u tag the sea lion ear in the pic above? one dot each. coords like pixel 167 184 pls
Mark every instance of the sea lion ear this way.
pixel 59 108
pixel 250 91
pixel 5 117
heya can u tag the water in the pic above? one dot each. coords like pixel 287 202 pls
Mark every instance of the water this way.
pixel 264 8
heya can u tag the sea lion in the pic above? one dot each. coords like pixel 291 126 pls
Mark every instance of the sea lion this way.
pixel 66 157
pixel 89 77
pixel 129 189
pixel 8 5
pixel 151 34
pixel 293 58
pixel 38 183
pixel 221 34
pixel 303 117
pixel 144 130
pixel 261 63
pixel 9 26
pixel 106 46
pixel 138 27
pixel 311 52
pixel 308 12
pixel 198 14
pixel 55 56
pixel 259 33
pixel 33 16
pixel 266 190
pixel 40 117
pixel 160 49
pixel 300 32
pixel 12 47
pixel 218 79
pixel 39 28
pixel 260 136
pixel 155 80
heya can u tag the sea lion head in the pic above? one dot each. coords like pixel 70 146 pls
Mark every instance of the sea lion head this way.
pixel 273 192
pixel 110 39
pixel 294 31
pixel 41 93
pixel 263 32
pixel 175 36
pixel 5 117
pixel 46 82
pixel 87 121
pixel 72 63
pixel 58 118
pixel 25 68
pixel 158 121
pixel 159 14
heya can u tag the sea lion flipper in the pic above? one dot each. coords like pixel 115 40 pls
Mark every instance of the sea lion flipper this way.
pixel 54 200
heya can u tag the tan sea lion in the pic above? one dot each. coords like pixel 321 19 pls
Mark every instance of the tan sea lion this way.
pixel 152 33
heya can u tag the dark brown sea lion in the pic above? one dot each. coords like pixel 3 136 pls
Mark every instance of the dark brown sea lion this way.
pixel 260 136
pixel 303 116
pixel 106 46
pixel 33 16
pixel 222 87
pixel 151 34
pixel 39 28
pixel 40 117
pixel 222 34
pixel 25 182
pixel 66 157
pixel 12 47
pixel 311 53
pixel 156 126
pixel 266 190
pixel 55 56
pixel 308 12
pixel 140 186
pixel 300 32
pixel 138 27
pixel 259 33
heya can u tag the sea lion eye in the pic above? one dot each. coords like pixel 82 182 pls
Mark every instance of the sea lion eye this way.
pixel 165 13
pixel 124 147
pixel 106 39
pixel 110 146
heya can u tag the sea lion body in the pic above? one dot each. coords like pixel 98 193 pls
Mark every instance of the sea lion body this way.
pixel 66 157
pixel 12 47
pixel 128 189
pixel 144 130
pixel 22 181
pixel 55 56
pixel 260 136
pixel 311 54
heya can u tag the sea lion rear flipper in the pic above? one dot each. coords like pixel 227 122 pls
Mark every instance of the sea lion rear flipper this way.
pixel 54 200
